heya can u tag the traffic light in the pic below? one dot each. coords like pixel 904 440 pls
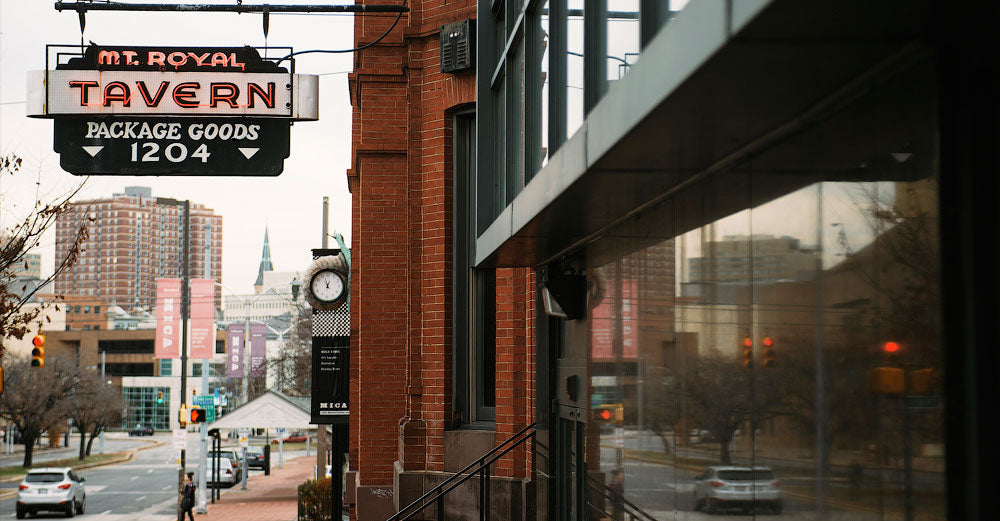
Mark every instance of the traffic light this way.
pixel 197 415
pixel 747 352
pixel 767 357
pixel 890 352
pixel 182 417
pixel 608 412
pixel 159 396
pixel 38 352
pixel 888 378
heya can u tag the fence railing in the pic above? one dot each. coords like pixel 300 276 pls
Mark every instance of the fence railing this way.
pixel 481 467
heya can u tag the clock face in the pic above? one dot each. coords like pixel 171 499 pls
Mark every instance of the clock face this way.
pixel 327 286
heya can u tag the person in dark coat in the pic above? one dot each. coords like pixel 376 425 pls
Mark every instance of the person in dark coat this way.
pixel 187 497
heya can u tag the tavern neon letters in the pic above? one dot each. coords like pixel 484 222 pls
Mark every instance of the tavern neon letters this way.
pixel 175 59
pixel 186 95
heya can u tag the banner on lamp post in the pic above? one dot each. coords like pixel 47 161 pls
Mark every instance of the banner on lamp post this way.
pixel 202 318
pixel 235 351
pixel 168 318
pixel 258 349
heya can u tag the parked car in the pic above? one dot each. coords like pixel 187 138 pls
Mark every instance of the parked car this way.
pixel 726 487
pixel 227 474
pixel 295 437
pixel 255 457
pixel 140 430
pixel 51 489
pixel 234 457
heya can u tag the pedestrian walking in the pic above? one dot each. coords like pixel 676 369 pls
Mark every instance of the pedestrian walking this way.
pixel 187 497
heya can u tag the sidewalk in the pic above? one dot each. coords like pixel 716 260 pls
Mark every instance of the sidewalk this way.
pixel 267 498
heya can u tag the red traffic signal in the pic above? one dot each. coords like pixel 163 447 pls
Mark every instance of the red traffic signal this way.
pixel 890 352
pixel 38 351
pixel 602 414
pixel 747 352
pixel 197 415
pixel 767 358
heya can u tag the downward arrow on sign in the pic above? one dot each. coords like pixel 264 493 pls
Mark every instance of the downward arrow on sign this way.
pixel 93 150
pixel 248 152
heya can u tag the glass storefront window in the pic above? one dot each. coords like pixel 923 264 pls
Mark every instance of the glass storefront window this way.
pixel 773 330
pixel 141 408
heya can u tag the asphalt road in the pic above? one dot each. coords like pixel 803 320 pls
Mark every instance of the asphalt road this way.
pixel 143 489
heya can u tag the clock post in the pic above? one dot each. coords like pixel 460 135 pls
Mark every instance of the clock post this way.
pixel 326 289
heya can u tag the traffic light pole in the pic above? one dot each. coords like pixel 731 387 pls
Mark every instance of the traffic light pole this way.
pixel 185 310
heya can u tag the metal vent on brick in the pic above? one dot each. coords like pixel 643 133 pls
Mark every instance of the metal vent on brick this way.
pixel 457 51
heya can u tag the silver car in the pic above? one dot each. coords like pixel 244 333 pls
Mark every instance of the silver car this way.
pixel 52 489
pixel 227 474
pixel 724 488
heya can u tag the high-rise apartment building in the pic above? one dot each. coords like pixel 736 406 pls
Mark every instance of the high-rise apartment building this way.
pixel 134 239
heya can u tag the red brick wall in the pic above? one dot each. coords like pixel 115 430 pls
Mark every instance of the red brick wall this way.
pixel 401 185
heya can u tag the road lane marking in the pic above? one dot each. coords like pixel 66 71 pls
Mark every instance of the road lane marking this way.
pixel 133 478
pixel 149 471
pixel 140 498
pixel 106 512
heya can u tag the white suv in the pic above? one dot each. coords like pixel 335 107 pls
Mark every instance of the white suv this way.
pixel 720 488
pixel 53 489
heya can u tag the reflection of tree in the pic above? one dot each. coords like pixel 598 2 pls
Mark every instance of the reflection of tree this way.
pixel 902 266
pixel 717 391
pixel 849 406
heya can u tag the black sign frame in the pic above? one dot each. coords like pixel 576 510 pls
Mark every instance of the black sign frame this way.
pixel 331 379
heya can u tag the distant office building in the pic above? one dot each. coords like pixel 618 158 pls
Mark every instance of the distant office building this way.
pixel 770 259
pixel 134 239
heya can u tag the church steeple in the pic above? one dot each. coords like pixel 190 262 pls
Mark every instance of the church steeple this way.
pixel 265 263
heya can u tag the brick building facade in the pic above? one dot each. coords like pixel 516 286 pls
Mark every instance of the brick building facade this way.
pixel 413 367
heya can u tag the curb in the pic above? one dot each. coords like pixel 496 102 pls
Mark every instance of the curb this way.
pixel 127 457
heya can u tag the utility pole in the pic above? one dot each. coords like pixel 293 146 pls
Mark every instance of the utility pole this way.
pixel 185 311
pixel 203 434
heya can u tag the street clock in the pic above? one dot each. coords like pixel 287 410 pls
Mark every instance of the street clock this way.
pixel 326 282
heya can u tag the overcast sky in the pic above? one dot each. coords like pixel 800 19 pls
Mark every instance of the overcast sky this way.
pixel 289 205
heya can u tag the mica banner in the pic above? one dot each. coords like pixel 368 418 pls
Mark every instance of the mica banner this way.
pixel 168 318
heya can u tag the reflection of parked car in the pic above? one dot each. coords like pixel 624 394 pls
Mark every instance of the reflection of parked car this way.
pixel 139 430
pixel 52 489
pixel 255 458
pixel 723 488
pixel 295 437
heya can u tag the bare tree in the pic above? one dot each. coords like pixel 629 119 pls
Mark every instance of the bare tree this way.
pixel 110 398
pixel 35 398
pixel 15 242
pixel 292 368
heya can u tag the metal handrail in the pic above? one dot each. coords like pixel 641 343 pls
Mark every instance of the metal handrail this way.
pixel 482 464
pixel 609 493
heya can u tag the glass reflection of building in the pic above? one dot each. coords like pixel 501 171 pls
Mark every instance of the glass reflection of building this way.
pixel 719 171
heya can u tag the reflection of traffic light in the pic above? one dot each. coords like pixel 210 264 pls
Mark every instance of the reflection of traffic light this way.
pixel 888 378
pixel 608 413
pixel 159 396
pixel 767 357
pixel 197 415
pixel 747 352
pixel 38 352
pixel 890 352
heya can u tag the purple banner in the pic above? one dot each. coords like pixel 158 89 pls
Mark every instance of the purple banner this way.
pixel 258 349
pixel 235 350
